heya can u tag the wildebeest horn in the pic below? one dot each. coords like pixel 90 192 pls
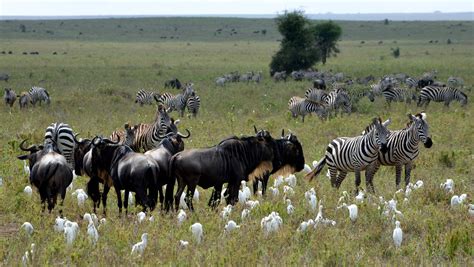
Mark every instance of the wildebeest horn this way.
pixel 282 133
pixel 33 147
pixel 182 136
pixel 108 141
pixel 255 129
pixel 75 138
pixel 94 140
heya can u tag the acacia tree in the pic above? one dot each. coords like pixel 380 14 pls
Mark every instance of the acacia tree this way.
pixel 297 48
pixel 326 35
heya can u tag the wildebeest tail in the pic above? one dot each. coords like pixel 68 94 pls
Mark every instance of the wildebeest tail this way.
pixel 316 170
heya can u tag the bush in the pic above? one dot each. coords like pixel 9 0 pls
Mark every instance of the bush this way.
pixel 396 52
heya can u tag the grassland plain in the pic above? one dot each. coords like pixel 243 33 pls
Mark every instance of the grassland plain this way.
pixel 93 87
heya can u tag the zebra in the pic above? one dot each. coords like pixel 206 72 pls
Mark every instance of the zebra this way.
pixel 355 96
pixel 441 94
pixel 338 99
pixel 39 94
pixel 193 104
pixel 279 76
pixel 301 107
pixel 9 97
pixel 144 97
pixel 316 95
pixel 62 137
pixel 177 102
pixel 126 137
pixel 352 154
pixel 25 100
pixel 221 81
pixel 455 82
pixel 402 149
pixel 398 94
pixel 257 77
pixel 411 82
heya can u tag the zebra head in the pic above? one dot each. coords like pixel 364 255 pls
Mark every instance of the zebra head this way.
pixel 371 96
pixel 381 134
pixel 422 128
pixel 462 98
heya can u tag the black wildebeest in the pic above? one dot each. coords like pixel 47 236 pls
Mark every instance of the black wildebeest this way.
pixel 129 171
pixel 49 172
pixel 4 77
pixel 231 161
pixel 170 145
pixel 291 159
pixel 173 83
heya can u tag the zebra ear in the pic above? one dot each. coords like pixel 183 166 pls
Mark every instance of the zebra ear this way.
pixel 423 115
pixel 387 122
pixel 410 117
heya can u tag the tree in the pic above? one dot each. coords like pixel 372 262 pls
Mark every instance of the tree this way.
pixel 297 48
pixel 22 28
pixel 396 52
pixel 326 35
pixel 385 21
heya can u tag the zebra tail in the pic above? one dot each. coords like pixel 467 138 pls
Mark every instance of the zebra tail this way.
pixel 170 185
pixel 316 170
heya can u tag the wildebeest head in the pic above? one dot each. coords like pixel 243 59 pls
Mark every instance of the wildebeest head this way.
pixel 270 146
pixel 36 152
pixel 80 149
pixel 174 142
pixel 103 153
pixel 291 153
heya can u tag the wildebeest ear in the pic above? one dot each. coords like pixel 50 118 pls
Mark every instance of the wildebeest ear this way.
pixel 255 129
pixel 22 157
pixel 176 122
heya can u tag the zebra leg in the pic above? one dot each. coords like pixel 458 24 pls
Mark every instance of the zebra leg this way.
pixel 333 174
pixel 357 180
pixel 340 178
pixel 369 176
pixel 408 167
pixel 398 174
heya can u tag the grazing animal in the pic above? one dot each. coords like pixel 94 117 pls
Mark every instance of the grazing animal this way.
pixel 455 82
pixel 169 146
pixel 291 159
pixel 338 99
pixel 130 171
pixel 9 97
pixel 441 94
pixel 126 136
pixel 221 81
pixel 4 77
pixel 402 149
pixel 28 228
pixel 177 102
pixel 231 161
pixel 50 172
pixel 319 84
pixel 411 82
pixel 139 247
pixel 24 100
pixel 193 104
pixel 38 95
pixel 279 76
pixel 316 95
pixel 144 97
pixel 62 136
pixel 301 107
pixel 353 154
pixel 173 83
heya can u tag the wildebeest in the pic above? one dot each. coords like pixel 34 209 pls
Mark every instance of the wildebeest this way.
pixel 4 77
pixel 279 76
pixel 25 100
pixel 9 97
pixel 291 159
pixel 130 171
pixel 173 83
pixel 234 159
pixel 319 84
pixel 170 145
pixel 49 172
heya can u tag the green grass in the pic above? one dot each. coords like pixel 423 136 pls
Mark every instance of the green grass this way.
pixel 92 89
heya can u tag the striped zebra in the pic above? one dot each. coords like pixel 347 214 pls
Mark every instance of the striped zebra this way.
pixel 301 107
pixel 126 137
pixel 193 104
pixel 355 95
pixel 149 136
pixel 39 94
pixel 177 102
pixel 455 82
pixel 441 94
pixel 144 97
pixel 338 99
pixel 352 154
pixel 62 137
pixel 398 94
pixel 316 95
pixel 411 82
pixel 402 149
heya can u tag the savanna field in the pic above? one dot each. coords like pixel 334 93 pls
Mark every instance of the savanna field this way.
pixel 92 82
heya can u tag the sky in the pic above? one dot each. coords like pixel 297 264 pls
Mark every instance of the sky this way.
pixel 214 7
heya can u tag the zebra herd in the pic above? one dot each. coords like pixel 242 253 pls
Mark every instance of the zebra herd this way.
pixel 235 76
pixel 188 99
pixel 25 99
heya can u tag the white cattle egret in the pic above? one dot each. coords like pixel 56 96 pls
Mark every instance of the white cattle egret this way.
pixel 1 181
pixel 131 199
pixel 448 186
pixel 181 217
pixel 313 202
pixel 226 211
pixel 252 204
pixel 471 210
pixel 360 197
pixel 196 229
pixel 291 180
pixel 103 221
pixel 278 181
pixel 289 208
pixel 74 176
pixel 196 195
pixel 288 191
pixel 230 226
pixel 183 243
pixel 28 228
pixel 418 184
pixel 315 163
pixel 25 259
pixel 70 231
pixel 308 193
pixel 92 232
pixel 141 216
pixel 245 214
pixel 26 168
pixel 353 211
pixel 408 191
pixel 182 203
pixel 244 193
pixel 151 219
pixel 303 226
pixel 28 191
pixel 307 169
pixel 274 190
pixel 343 198
pixel 81 196
pixel 457 200
pixel 271 223
pixel 59 224
pixel 139 247
pixel 397 235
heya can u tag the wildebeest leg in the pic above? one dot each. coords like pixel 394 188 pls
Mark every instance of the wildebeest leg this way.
pixel 266 177
pixel 125 201
pixel 162 197
pixel 398 175
pixel 189 196
pixel 119 198
pixel 217 196
pixel 104 198
pixel 255 185
pixel 177 197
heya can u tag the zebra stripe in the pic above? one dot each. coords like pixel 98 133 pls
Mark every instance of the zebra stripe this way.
pixel 411 82
pixel 62 137
pixel 144 97
pixel 441 94
pixel 177 102
pixel 316 95
pixel 352 154
pixel 402 149
pixel 301 107
pixel 39 94
pixel 193 104
pixel 398 94
pixel 338 99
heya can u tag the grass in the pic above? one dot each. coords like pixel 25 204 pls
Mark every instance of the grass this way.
pixel 92 89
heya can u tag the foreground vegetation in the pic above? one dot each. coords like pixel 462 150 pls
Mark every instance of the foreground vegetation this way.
pixel 92 88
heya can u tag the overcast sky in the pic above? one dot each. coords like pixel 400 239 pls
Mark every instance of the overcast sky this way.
pixel 214 7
